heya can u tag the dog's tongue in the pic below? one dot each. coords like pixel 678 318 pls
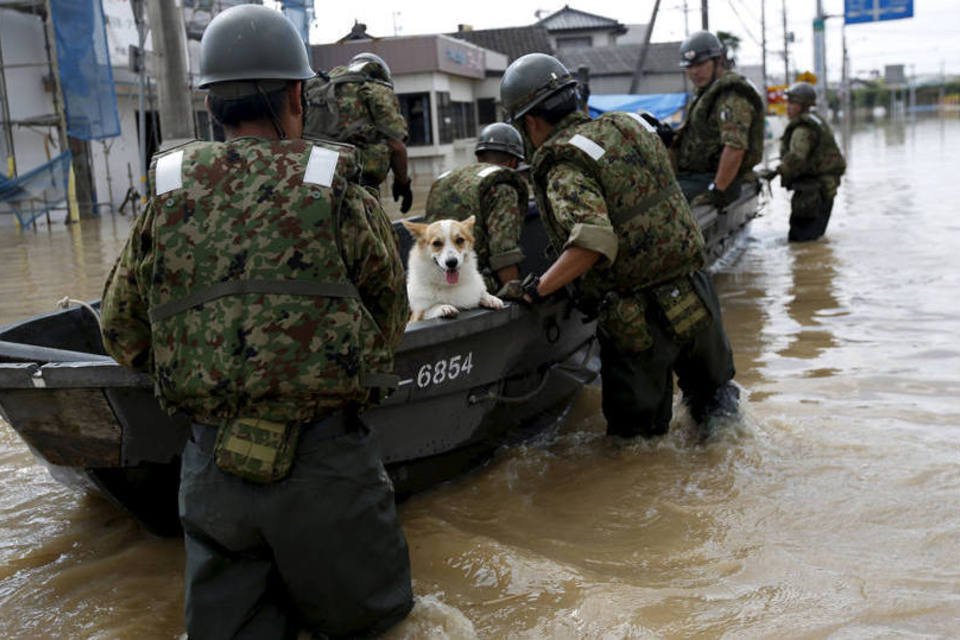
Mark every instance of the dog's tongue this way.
pixel 453 277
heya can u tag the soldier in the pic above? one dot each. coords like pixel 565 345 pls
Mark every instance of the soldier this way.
pixel 722 137
pixel 263 292
pixel 356 104
pixel 810 164
pixel 628 241
pixel 493 191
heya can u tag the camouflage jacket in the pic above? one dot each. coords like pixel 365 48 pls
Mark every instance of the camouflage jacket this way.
pixel 497 196
pixel 607 185
pixel 808 149
pixel 259 282
pixel 728 112
pixel 353 107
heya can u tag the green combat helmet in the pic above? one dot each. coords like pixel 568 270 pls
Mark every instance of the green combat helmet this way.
pixel 247 44
pixel 532 80
pixel 802 93
pixel 500 136
pixel 373 65
pixel 699 46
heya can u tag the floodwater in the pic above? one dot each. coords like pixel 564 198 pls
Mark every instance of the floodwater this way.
pixel 831 511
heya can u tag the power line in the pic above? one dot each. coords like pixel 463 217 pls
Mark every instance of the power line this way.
pixel 744 24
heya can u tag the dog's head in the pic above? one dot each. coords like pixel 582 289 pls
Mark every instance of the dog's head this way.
pixel 448 243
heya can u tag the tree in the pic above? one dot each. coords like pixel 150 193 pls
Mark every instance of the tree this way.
pixel 730 42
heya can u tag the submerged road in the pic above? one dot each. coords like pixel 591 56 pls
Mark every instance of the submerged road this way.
pixel 832 510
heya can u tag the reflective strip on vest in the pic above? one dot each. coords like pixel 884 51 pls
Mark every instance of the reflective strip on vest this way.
pixel 643 122
pixel 588 146
pixel 240 287
pixel 487 171
pixel 321 167
pixel 169 172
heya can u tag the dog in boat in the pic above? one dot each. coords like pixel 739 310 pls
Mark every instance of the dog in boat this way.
pixel 442 273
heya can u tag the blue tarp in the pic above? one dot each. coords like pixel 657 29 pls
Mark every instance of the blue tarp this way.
pixel 665 106
pixel 85 73
pixel 31 194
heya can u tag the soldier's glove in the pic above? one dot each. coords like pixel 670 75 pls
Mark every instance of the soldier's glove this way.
pixel 512 290
pixel 522 290
pixel 769 174
pixel 403 190
pixel 713 197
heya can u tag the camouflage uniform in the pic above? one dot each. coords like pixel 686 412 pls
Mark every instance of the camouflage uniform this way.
pixel 606 185
pixel 728 112
pixel 367 115
pixel 263 284
pixel 811 165
pixel 498 197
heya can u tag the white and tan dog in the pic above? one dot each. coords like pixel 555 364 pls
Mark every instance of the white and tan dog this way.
pixel 442 273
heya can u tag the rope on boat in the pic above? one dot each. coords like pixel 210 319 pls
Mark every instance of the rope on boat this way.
pixel 65 302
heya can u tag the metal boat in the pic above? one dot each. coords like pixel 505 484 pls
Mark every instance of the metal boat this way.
pixel 467 386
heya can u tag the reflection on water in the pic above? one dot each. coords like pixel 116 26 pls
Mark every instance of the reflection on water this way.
pixel 831 511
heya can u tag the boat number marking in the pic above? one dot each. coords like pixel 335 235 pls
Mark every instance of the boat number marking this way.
pixel 444 369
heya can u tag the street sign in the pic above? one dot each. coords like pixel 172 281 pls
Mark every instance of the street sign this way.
pixel 857 11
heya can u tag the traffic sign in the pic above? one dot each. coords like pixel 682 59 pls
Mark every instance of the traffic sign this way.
pixel 857 11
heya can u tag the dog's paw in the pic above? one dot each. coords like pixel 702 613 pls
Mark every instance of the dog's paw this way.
pixel 442 311
pixel 491 302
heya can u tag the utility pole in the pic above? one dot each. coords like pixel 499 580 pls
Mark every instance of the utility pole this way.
pixel 763 49
pixel 786 46
pixel 820 55
pixel 170 69
pixel 638 72
pixel 704 16
pixel 140 66
pixel 686 20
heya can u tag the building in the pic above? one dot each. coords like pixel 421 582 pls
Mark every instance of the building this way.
pixel 447 88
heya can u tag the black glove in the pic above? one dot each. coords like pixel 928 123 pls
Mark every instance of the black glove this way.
pixel 402 190
pixel 512 290
pixel 522 291
pixel 714 197
pixel 769 174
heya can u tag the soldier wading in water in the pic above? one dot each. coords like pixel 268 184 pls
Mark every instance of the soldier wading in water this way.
pixel 263 291
pixel 810 165
pixel 721 139
pixel 629 244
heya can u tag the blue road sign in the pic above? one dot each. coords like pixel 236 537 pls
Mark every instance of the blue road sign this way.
pixel 856 11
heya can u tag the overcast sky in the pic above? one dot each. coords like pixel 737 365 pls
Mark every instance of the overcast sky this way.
pixel 927 41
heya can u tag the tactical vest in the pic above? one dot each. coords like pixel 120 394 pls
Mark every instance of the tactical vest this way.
pixel 659 239
pixel 336 108
pixel 252 310
pixel 825 158
pixel 460 193
pixel 699 139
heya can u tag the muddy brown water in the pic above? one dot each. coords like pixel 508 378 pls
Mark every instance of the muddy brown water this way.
pixel 831 511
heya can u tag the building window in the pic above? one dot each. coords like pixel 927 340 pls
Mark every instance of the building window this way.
pixel 574 42
pixel 486 111
pixel 416 110
pixel 455 119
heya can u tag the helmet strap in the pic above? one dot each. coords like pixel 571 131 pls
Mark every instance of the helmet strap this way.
pixel 274 119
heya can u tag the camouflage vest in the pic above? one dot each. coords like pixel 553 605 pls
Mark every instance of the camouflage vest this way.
pixel 659 239
pixel 459 194
pixel 336 109
pixel 699 139
pixel 825 159
pixel 252 310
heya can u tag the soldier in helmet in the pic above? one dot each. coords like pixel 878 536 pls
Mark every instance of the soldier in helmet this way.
pixel 492 191
pixel 356 104
pixel 810 165
pixel 262 290
pixel 628 243
pixel 722 137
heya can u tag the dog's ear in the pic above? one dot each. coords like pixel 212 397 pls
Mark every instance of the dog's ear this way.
pixel 416 229
pixel 469 222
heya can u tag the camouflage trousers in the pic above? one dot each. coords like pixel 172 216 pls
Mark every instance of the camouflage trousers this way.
pixel 810 209
pixel 320 551
pixel 637 392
